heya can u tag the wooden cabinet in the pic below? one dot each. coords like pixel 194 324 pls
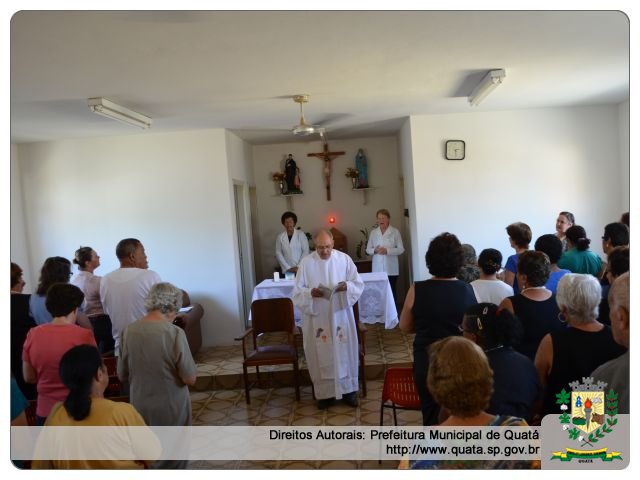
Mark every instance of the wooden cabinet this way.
pixel 363 266
pixel 339 240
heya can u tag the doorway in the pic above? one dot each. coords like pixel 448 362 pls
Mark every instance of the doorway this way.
pixel 245 253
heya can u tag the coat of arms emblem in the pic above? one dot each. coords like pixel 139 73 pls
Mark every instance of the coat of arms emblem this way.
pixel 588 414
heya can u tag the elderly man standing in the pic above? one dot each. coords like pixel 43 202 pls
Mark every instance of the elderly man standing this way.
pixel 327 286
pixel 123 291
pixel 616 372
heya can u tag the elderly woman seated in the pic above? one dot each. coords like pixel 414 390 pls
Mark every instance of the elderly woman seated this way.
pixel 461 381
pixel 156 361
pixel 569 354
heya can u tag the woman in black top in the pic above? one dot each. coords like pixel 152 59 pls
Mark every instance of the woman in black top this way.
pixel 433 309
pixel 535 305
pixel 572 353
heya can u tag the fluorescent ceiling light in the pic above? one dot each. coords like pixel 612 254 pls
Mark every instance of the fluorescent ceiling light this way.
pixel 489 82
pixel 106 108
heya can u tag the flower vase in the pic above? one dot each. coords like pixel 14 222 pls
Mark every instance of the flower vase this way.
pixel 354 182
pixel 281 186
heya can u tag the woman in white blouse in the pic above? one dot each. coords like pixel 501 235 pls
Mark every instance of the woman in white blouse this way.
pixel 88 260
pixel 291 245
pixel 385 244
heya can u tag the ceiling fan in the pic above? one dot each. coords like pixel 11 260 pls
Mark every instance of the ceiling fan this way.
pixel 303 128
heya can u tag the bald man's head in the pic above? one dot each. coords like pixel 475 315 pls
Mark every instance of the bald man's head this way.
pixel 323 241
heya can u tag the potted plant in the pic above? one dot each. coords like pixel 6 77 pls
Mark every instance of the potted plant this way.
pixel 353 174
pixel 279 177
pixel 361 247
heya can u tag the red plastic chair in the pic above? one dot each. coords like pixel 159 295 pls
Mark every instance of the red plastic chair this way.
pixel 400 389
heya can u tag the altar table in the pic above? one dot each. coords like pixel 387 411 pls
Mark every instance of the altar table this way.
pixel 376 302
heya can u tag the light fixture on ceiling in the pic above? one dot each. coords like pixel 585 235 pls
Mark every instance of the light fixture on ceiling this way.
pixel 488 83
pixel 108 109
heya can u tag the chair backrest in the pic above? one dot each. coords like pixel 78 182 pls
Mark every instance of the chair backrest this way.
pixel 114 385
pixel 356 316
pixel 400 387
pixel 30 413
pixel 112 365
pixel 272 315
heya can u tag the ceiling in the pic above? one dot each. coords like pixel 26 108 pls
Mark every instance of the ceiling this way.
pixel 366 71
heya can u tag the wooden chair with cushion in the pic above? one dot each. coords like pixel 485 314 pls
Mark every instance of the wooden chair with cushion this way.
pixel 270 316
pixel 113 388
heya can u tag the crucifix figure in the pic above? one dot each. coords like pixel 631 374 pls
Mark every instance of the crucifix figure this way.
pixel 327 156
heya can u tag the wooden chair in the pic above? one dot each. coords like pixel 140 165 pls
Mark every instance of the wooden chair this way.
pixel 362 349
pixel 30 413
pixel 113 388
pixel 400 389
pixel 270 316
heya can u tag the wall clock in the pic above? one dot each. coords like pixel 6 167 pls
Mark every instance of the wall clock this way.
pixel 454 150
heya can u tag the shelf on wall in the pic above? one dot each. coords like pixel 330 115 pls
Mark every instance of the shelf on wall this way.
pixel 364 193
pixel 289 198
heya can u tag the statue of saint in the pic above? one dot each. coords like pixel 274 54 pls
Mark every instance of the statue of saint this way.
pixel 361 166
pixel 292 175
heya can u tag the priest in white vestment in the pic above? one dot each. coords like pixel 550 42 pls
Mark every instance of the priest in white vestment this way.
pixel 326 288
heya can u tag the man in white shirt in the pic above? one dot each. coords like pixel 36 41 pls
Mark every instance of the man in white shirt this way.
pixel 329 331
pixel 123 291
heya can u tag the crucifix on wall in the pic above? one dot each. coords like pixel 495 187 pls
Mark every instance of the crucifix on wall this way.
pixel 327 156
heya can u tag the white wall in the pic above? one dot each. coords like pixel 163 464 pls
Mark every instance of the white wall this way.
pixel 312 208
pixel 241 177
pixel 171 191
pixel 624 129
pixel 524 165
pixel 406 163
pixel 239 158
pixel 19 245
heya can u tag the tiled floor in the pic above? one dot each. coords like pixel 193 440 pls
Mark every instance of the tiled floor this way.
pixel 218 398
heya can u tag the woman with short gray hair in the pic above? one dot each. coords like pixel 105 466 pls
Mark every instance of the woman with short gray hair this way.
pixel 574 352
pixel 156 361
pixel 164 297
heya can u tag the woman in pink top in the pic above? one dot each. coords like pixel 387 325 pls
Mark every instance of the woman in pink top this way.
pixel 46 344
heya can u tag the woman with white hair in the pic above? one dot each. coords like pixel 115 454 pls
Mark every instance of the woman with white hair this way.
pixel 156 361
pixel 572 353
